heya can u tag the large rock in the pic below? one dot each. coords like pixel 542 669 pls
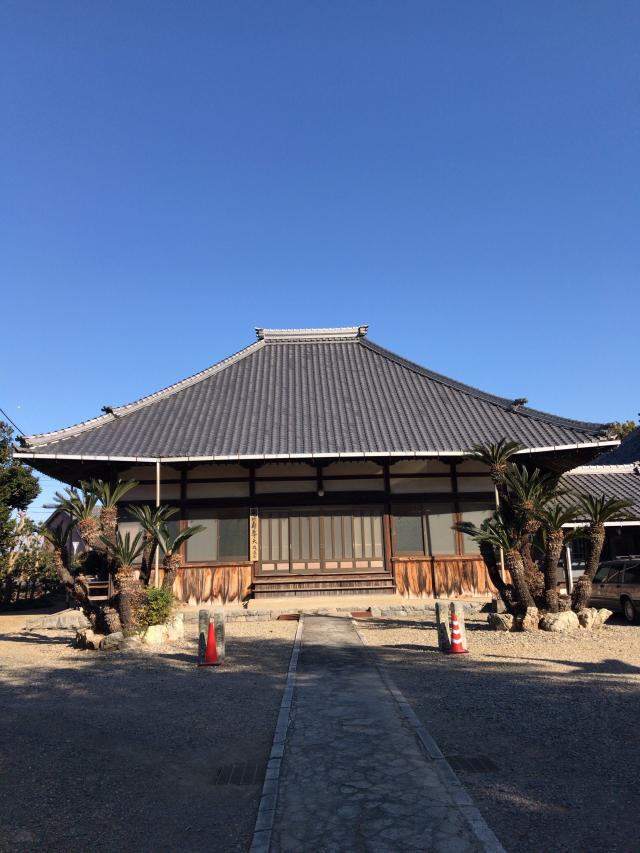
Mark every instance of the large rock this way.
pixel 601 617
pixel 113 641
pixel 94 641
pixel 500 621
pixel 531 619
pixel 155 635
pixel 587 617
pixel 64 620
pixel 560 623
pixel 175 628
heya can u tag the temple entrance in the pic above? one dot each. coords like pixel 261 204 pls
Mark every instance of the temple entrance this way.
pixel 326 541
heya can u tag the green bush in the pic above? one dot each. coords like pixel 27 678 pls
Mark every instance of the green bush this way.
pixel 158 606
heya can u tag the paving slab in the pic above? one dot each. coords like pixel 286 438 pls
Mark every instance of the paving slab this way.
pixel 355 775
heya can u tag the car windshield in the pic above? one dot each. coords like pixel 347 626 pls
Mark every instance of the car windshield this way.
pixel 601 575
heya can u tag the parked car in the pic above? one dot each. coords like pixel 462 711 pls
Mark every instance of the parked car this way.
pixel 616 585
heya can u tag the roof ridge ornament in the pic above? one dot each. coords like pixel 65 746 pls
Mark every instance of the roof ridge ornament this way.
pixel 344 333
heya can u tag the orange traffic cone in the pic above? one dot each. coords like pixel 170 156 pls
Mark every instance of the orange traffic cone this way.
pixel 456 640
pixel 211 653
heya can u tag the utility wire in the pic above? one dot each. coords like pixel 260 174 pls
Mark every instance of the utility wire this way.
pixel 13 423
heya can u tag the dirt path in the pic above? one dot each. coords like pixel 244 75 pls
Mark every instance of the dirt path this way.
pixel 119 751
pixel 556 715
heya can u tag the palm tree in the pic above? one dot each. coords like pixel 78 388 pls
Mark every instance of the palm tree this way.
pixel 151 520
pixel 597 511
pixel 171 543
pixel 498 533
pixel 58 538
pixel 80 506
pixel 528 492
pixel 496 457
pixel 553 519
pixel 108 496
pixel 124 551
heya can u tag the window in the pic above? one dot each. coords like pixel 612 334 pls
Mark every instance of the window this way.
pixel 632 573
pixel 442 539
pixel 127 525
pixel 602 572
pixel 318 540
pixel 409 530
pixel 426 529
pixel 476 512
pixel 423 529
pixel 225 536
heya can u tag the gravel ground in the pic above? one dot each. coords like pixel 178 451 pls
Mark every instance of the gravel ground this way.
pixel 118 751
pixel 557 714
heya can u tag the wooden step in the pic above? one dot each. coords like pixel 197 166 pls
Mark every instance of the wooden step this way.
pixel 323 585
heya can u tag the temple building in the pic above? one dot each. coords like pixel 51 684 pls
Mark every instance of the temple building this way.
pixel 319 463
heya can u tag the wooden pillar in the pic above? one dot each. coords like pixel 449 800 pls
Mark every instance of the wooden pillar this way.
pixel 156 572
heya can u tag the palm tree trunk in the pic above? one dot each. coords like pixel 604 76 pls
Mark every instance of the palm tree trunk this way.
pixel 505 590
pixel 555 540
pixel 109 522
pixel 129 597
pixel 515 564
pixel 582 589
pixel 171 565
pixel 533 575
pixel 148 556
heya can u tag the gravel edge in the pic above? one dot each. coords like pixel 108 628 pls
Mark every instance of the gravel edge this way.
pixel 448 777
pixel 261 841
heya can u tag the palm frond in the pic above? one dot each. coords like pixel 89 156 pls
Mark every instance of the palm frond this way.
pixel 124 550
pixel 599 510
pixel 106 493
pixel 170 542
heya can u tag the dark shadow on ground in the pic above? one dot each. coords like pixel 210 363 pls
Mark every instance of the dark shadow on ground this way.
pixel 114 752
pixel 563 741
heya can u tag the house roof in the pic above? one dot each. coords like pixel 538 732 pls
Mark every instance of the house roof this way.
pixel 615 474
pixel 627 453
pixel 311 393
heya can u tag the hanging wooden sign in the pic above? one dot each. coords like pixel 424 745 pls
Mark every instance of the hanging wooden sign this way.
pixel 254 535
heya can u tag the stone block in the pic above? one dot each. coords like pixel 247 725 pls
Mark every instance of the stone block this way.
pixel 531 619
pixel 155 635
pixel 560 623
pixel 500 621
pixel 175 628
pixel 113 641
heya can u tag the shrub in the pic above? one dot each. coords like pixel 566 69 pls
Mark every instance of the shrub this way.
pixel 158 606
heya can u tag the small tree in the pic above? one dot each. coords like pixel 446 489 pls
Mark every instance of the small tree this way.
pixel 171 544
pixel 124 552
pixel 497 458
pixel 500 533
pixel 151 520
pixel 553 520
pixel 18 488
pixel 597 511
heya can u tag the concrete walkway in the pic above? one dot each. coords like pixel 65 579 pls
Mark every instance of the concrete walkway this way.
pixel 355 775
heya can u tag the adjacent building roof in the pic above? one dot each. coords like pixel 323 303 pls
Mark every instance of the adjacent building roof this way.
pixel 312 393
pixel 615 474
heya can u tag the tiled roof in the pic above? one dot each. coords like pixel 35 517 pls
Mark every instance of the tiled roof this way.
pixel 625 454
pixel 312 392
pixel 614 482
pixel 615 474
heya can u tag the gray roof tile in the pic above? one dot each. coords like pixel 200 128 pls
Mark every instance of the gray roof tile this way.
pixel 312 392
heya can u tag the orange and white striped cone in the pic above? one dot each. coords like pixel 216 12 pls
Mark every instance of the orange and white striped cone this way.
pixel 457 647
pixel 211 653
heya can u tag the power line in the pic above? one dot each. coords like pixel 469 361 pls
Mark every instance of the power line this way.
pixel 13 423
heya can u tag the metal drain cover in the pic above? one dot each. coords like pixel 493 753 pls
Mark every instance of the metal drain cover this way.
pixel 243 773
pixel 472 763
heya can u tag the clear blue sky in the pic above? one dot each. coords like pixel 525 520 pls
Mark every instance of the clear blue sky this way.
pixel 462 176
